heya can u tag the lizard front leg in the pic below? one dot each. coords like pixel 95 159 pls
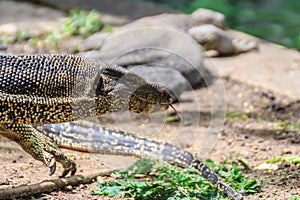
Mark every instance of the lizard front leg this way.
pixel 39 146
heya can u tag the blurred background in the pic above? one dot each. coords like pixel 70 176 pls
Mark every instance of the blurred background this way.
pixel 274 20
pixel 277 21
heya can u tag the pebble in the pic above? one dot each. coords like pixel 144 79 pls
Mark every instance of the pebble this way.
pixel 69 187
pixel 3 47
pixel 267 166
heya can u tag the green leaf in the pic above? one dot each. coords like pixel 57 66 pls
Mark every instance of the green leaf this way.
pixel 171 182
pixel 170 119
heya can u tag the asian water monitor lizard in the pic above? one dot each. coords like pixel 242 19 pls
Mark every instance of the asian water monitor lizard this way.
pixel 48 89
pixel 40 89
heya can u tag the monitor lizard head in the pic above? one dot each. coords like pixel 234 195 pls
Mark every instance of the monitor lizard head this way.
pixel 123 90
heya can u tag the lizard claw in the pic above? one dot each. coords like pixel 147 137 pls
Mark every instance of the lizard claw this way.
pixel 69 166
pixel 65 173
pixel 72 168
pixel 52 169
pixel 41 147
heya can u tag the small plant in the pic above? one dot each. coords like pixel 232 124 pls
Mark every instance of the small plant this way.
pixel 295 197
pixel 53 38
pixel 287 125
pixel 19 36
pixel 289 159
pixel 238 115
pixel 82 23
pixel 78 23
pixel 165 181
pixel 171 119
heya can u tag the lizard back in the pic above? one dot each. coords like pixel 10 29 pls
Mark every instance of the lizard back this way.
pixel 42 88
pixel 45 75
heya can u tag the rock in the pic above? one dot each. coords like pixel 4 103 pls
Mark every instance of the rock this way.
pixel 94 41
pixel 113 20
pixel 178 21
pixel 267 166
pixel 3 47
pixel 206 16
pixel 130 9
pixel 214 38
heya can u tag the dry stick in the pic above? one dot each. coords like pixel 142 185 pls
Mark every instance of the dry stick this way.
pixel 50 185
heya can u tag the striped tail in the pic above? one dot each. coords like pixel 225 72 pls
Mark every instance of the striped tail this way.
pixel 91 137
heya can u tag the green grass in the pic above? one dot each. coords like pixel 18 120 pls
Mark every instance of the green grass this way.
pixel 294 159
pixel 82 23
pixel 286 125
pixel 238 115
pixel 170 119
pixel 13 38
pixel 165 181
pixel 78 23
pixel 295 197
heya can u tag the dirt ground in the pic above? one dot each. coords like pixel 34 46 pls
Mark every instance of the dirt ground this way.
pixel 255 138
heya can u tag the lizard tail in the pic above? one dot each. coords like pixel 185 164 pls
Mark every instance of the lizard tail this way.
pixel 91 137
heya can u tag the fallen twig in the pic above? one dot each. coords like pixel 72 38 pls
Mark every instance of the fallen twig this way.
pixel 50 185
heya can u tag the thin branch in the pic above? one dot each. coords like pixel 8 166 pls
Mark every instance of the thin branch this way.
pixel 50 185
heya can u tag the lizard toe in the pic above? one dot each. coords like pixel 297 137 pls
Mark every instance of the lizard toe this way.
pixel 69 169
pixel 47 159
pixel 73 170
pixel 65 173
pixel 53 154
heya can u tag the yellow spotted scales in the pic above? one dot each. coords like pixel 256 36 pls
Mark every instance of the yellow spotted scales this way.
pixel 39 91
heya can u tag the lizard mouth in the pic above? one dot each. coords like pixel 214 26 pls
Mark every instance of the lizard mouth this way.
pixel 159 108
pixel 149 108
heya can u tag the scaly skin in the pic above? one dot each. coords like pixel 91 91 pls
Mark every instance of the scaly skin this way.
pixel 43 89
